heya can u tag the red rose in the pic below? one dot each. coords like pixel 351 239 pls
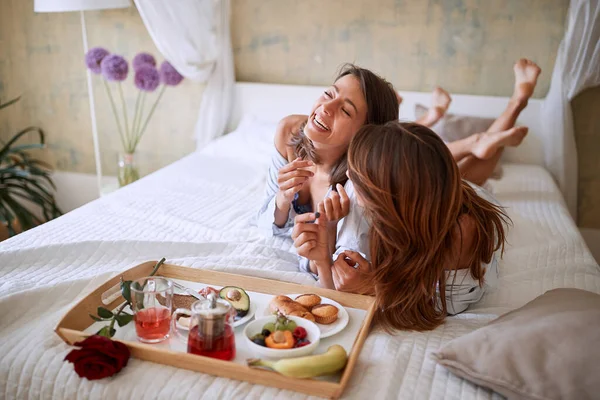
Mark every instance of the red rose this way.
pixel 99 357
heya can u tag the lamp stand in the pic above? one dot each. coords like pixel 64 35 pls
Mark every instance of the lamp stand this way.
pixel 92 109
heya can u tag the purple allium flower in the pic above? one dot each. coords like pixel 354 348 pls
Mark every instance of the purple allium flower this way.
pixel 143 59
pixel 146 78
pixel 114 68
pixel 94 57
pixel 169 75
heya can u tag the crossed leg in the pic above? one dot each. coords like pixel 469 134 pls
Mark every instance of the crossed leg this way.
pixel 440 101
pixel 486 148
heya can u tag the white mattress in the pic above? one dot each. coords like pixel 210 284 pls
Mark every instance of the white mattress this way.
pixel 196 212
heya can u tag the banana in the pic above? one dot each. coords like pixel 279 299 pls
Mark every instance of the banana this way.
pixel 333 360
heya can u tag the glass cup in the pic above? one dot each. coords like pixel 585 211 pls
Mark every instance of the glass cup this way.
pixel 211 331
pixel 151 299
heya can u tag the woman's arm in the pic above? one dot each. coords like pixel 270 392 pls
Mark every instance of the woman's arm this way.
pixel 289 178
pixel 350 273
pixel 352 252
pixel 312 242
pixel 350 243
pixel 275 216
pixel 462 289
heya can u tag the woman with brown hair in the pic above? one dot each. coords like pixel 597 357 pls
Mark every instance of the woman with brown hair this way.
pixel 309 162
pixel 433 237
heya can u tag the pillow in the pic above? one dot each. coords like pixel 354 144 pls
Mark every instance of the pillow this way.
pixel 547 349
pixel 251 142
pixel 453 127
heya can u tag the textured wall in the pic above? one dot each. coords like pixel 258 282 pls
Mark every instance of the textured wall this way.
pixel 466 46
pixel 41 57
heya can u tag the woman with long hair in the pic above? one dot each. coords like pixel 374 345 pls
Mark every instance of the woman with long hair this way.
pixel 433 237
pixel 478 154
pixel 309 162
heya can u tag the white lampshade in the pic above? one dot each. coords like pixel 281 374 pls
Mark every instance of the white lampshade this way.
pixel 77 5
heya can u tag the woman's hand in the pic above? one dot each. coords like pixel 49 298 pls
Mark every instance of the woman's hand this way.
pixel 310 236
pixel 337 205
pixel 290 179
pixel 347 277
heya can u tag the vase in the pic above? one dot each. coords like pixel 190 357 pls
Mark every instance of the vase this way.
pixel 128 170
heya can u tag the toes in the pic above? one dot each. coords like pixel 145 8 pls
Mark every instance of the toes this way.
pixel 523 130
pixel 441 98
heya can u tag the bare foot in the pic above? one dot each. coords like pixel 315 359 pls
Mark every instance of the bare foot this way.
pixel 440 101
pixel 487 144
pixel 526 74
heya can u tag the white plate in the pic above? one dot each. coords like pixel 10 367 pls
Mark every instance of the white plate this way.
pixel 237 323
pixel 326 330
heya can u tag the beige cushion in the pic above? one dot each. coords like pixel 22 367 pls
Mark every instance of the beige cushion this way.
pixel 547 349
pixel 454 127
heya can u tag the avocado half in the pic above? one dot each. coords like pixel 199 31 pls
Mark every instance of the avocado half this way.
pixel 238 298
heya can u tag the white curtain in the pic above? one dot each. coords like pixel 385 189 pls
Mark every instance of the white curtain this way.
pixel 577 68
pixel 194 36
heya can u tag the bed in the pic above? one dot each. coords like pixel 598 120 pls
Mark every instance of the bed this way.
pixel 198 211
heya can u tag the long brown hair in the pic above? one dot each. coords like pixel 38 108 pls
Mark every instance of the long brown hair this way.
pixel 382 106
pixel 413 196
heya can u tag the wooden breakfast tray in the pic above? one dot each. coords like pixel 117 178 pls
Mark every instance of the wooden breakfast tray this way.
pixel 73 325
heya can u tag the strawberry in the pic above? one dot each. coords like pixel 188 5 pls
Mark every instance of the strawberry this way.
pixel 299 333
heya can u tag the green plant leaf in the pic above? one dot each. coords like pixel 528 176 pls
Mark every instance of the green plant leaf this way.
pixel 33 167
pixel 126 290
pixel 19 172
pixel 33 193
pixel 123 319
pixel 26 182
pixel 157 266
pixel 23 177
pixel 30 146
pixel 8 218
pixel 23 215
pixel 104 312
pixel 107 332
pixel 95 318
pixel 8 103
pixel 7 147
pixel 30 194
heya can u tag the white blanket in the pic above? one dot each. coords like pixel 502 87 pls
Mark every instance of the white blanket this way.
pixel 196 213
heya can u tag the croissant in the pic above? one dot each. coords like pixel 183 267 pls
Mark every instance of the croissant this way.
pixel 289 307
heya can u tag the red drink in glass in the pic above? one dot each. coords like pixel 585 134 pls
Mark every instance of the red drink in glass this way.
pixel 153 324
pixel 221 347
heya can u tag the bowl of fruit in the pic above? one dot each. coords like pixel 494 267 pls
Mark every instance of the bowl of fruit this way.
pixel 278 336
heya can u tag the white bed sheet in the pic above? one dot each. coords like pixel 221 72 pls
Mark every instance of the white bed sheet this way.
pixel 196 212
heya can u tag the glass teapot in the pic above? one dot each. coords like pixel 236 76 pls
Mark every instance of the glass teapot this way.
pixel 211 331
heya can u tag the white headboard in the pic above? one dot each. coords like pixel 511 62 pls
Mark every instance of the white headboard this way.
pixel 271 102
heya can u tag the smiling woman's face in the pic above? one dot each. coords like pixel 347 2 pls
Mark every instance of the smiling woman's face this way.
pixel 338 114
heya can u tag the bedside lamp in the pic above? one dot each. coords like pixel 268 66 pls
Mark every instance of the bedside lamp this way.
pixel 81 6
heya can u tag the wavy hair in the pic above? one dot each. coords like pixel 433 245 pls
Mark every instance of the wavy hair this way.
pixel 382 107
pixel 413 196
